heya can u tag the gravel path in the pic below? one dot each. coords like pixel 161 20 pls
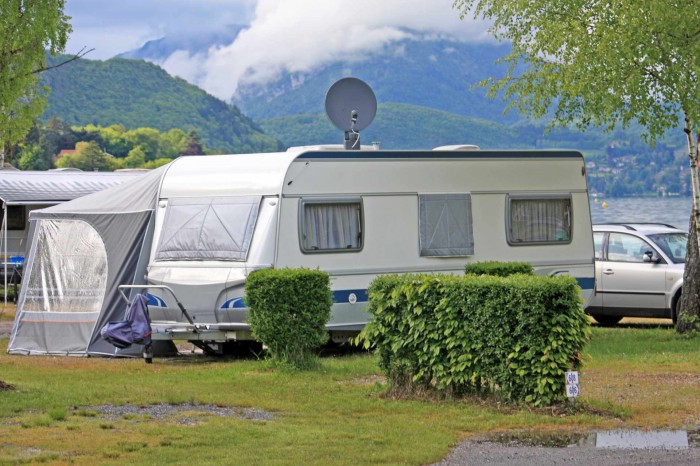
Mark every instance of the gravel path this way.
pixel 489 453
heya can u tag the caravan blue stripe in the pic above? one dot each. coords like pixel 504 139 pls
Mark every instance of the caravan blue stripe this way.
pixel 368 155
pixel 587 283
pixel 343 296
pixel 156 301
pixel 235 303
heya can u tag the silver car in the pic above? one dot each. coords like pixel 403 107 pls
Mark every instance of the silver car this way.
pixel 638 271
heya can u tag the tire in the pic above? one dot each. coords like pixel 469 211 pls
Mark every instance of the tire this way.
pixel 606 320
pixel 242 349
pixel 674 309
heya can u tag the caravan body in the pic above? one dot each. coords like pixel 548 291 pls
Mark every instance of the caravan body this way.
pixel 355 215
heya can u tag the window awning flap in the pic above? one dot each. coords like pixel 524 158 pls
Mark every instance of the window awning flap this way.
pixel 216 228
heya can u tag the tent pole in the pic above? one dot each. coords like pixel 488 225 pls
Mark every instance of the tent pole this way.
pixel 4 241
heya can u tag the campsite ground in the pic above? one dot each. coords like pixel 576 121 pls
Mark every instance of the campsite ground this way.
pixel 195 408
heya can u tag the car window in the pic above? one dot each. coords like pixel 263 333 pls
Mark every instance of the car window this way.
pixel 598 244
pixel 674 245
pixel 627 248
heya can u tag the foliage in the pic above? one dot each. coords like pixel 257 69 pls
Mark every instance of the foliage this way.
pixel 135 94
pixel 498 269
pixel 88 156
pixel 27 31
pixel 517 335
pixel 598 63
pixel 34 158
pixel 289 309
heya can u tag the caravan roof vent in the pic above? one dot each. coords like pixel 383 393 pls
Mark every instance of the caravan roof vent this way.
pixel 351 105
pixel 458 147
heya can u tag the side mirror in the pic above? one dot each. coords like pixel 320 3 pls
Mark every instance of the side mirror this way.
pixel 649 256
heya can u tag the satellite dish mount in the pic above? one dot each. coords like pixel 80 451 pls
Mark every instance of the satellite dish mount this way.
pixel 351 106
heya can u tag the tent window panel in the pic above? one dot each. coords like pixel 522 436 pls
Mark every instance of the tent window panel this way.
pixel 445 223
pixel 539 221
pixel 16 217
pixel 69 270
pixel 333 225
pixel 208 228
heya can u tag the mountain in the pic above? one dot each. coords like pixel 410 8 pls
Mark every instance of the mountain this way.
pixel 435 73
pixel 396 126
pixel 136 94
pixel 402 126
pixel 158 50
pixel 426 87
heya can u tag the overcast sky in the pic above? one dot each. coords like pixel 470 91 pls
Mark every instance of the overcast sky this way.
pixel 284 35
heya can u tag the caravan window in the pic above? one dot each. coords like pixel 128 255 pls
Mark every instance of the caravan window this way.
pixel 330 225
pixel 539 220
pixel 446 225
pixel 211 228
pixel 69 269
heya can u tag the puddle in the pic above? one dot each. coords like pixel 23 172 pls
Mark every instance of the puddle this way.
pixel 637 439
pixel 613 439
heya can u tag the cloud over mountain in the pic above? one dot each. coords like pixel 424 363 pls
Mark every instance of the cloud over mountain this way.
pixel 300 35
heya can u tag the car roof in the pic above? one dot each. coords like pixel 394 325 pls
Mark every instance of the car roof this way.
pixel 643 228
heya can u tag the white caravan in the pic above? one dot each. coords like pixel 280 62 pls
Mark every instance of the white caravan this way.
pixel 192 231
pixel 356 215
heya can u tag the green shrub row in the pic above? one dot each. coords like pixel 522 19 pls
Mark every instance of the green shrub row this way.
pixel 288 311
pixel 497 268
pixel 516 336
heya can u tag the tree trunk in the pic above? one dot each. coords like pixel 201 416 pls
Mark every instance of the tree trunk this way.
pixel 689 305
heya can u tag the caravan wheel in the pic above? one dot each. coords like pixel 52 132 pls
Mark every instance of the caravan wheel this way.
pixel 242 348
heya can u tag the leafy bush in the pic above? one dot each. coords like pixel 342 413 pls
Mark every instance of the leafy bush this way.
pixel 499 269
pixel 289 309
pixel 516 335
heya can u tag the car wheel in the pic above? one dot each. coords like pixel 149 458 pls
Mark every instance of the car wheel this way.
pixel 674 310
pixel 606 320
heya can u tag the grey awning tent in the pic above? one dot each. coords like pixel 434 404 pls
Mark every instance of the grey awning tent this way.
pixel 79 253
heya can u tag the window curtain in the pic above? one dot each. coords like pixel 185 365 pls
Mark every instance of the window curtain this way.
pixel 332 226
pixel 446 225
pixel 540 220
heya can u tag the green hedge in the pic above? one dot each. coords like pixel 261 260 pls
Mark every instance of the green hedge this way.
pixel 288 311
pixel 499 269
pixel 515 335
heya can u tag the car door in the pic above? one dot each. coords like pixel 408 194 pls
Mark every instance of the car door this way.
pixel 629 285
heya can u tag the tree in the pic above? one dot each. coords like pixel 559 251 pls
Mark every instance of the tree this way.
pixel 607 63
pixel 88 156
pixel 135 159
pixel 27 30
pixel 33 157
pixel 193 145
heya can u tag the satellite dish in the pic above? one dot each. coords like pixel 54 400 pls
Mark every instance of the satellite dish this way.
pixel 351 99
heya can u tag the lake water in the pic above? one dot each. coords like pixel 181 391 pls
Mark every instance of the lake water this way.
pixel 672 210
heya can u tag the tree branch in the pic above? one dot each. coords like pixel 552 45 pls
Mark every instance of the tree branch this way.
pixel 78 55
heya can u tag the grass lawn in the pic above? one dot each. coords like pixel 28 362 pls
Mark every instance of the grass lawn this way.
pixel 8 313
pixel 634 376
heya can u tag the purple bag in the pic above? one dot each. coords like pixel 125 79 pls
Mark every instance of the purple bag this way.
pixel 135 328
